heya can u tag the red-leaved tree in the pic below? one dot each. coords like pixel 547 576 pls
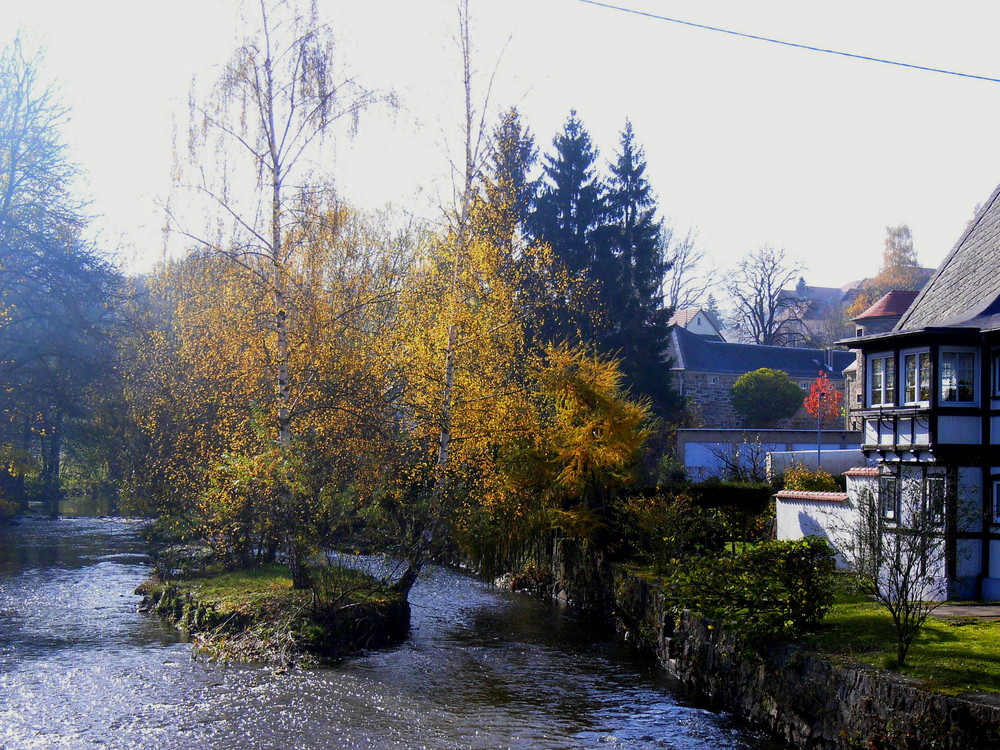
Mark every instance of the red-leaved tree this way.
pixel 823 400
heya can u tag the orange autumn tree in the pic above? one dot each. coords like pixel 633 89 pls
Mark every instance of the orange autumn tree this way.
pixel 823 401
pixel 900 271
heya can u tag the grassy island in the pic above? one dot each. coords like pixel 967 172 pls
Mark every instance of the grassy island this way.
pixel 255 615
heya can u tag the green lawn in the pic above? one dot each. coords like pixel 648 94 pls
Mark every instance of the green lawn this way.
pixel 950 656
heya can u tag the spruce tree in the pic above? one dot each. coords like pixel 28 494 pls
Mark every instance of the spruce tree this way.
pixel 631 276
pixel 569 207
pixel 568 215
pixel 506 187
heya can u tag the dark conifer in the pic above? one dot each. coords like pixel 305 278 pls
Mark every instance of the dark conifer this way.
pixel 569 207
pixel 507 189
pixel 631 276
pixel 568 214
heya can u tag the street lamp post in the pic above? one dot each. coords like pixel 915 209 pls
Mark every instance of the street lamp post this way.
pixel 819 419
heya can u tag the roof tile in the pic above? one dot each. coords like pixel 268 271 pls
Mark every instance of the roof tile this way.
pixel 829 497
pixel 964 284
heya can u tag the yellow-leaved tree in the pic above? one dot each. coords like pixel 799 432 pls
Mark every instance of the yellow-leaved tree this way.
pixel 460 350
pixel 254 143
pixel 201 389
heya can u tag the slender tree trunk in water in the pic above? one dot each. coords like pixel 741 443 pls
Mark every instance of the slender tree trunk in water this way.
pixel 423 545
pixel 462 239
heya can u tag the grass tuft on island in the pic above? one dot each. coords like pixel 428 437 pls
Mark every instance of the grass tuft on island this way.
pixel 254 615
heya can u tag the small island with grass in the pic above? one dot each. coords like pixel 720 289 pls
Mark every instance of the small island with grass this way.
pixel 255 614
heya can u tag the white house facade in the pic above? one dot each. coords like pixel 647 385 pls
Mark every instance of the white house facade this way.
pixel 929 412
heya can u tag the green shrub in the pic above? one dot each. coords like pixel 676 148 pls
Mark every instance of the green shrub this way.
pixel 717 493
pixel 798 477
pixel 764 397
pixel 665 528
pixel 775 589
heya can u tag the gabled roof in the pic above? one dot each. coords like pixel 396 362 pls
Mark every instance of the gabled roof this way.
pixel 966 285
pixel 685 315
pixel 892 305
pixel 692 352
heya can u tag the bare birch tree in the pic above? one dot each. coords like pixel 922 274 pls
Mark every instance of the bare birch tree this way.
pixel 254 143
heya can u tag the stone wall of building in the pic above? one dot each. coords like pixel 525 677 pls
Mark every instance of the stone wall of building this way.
pixel 708 393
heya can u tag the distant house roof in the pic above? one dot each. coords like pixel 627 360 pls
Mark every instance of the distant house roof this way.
pixel 691 352
pixel 685 316
pixel 965 289
pixel 822 295
pixel 892 305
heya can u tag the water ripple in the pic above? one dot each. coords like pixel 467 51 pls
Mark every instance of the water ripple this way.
pixel 79 668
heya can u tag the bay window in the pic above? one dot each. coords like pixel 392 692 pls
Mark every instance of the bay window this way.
pixel 882 380
pixel 958 376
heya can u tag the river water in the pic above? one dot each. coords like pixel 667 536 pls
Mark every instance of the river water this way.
pixel 80 668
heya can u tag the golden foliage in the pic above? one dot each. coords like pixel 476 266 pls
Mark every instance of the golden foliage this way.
pixel 596 430
pixel 201 380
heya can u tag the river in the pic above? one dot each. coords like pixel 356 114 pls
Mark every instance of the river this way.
pixel 80 668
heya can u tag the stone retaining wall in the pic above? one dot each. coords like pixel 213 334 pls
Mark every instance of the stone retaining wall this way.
pixel 808 701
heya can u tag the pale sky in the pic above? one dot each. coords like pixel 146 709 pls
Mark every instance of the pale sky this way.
pixel 747 142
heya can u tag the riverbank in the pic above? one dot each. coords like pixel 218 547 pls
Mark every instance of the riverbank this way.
pixel 256 616
pixel 797 695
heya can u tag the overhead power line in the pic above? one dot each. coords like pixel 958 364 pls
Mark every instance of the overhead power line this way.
pixel 796 45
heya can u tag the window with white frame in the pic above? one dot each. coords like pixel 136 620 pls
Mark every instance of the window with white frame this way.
pixel 882 380
pixel 958 376
pixel 916 377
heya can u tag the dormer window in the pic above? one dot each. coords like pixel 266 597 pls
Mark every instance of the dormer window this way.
pixel 916 377
pixel 958 376
pixel 882 380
